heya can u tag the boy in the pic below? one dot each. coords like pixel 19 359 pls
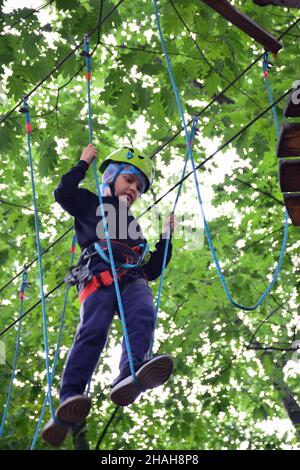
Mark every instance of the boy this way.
pixel 127 174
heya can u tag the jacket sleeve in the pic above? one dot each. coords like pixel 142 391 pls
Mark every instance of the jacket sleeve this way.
pixel 153 266
pixel 71 198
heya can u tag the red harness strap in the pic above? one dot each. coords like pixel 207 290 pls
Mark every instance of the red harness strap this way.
pixel 91 286
pixel 102 279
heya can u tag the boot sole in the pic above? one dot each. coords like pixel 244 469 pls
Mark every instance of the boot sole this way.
pixel 150 376
pixel 54 434
pixel 74 410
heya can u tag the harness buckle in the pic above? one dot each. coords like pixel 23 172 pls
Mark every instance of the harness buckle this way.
pixel 79 273
pixel 106 278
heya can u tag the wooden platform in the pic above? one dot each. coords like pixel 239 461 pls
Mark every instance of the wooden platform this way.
pixel 289 175
pixel 278 3
pixel 292 202
pixel 289 141
pixel 289 168
pixel 243 22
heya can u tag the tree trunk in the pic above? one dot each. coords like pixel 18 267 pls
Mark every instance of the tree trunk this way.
pixel 288 400
pixel 292 408
pixel 281 3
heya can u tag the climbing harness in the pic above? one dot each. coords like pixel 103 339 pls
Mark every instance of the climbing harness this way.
pixel 105 278
pixel 82 275
pixel 206 228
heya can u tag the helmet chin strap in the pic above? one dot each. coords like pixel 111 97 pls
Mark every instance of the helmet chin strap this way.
pixel 112 189
pixel 112 184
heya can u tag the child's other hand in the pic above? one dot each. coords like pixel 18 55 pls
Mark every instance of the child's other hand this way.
pixel 89 153
pixel 171 221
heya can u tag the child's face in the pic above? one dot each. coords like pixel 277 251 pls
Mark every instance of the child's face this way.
pixel 128 187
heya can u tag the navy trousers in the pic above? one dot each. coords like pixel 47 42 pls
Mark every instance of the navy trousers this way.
pixel 96 314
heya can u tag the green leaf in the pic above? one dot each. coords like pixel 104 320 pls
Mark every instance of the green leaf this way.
pixel 48 156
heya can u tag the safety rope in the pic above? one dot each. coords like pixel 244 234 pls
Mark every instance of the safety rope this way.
pixel 61 325
pixel 25 110
pixel 207 232
pixel 266 65
pixel 168 234
pixel 24 285
pixel 104 221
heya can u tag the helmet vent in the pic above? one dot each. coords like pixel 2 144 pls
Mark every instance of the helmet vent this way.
pixel 130 155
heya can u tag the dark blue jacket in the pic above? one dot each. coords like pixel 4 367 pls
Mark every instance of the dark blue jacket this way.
pixel 83 205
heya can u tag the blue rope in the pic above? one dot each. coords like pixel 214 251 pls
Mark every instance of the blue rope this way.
pixel 168 237
pixel 25 108
pixel 62 320
pixel 207 232
pixel 24 284
pixel 104 221
pixel 88 386
pixel 266 76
